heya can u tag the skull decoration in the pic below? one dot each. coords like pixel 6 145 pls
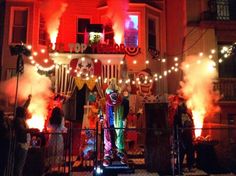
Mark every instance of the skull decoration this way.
pixel 144 85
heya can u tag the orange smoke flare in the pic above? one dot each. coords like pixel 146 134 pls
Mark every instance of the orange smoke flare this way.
pixel 52 11
pixel 118 17
pixel 36 121
pixel 197 87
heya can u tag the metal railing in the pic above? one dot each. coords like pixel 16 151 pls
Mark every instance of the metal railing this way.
pixel 155 150
pixel 226 88
pixel 213 154
pixel 220 10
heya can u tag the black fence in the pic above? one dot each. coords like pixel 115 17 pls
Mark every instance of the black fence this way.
pixel 149 151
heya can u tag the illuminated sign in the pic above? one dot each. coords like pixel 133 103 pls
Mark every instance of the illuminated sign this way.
pixel 95 49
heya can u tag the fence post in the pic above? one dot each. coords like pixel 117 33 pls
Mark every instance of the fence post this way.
pixel 178 149
pixel 70 147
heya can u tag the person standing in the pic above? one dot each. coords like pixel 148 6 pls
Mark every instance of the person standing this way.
pixel 4 143
pixel 22 137
pixel 183 127
pixel 55 143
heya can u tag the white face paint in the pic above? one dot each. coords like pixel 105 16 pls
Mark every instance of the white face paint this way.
pixel 85 67
pixel 144 86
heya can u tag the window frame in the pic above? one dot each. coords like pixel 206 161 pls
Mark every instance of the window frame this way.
pixel 41 41
pixel 139 26
pixel 156 21
pixel 12 12
pixel 81 33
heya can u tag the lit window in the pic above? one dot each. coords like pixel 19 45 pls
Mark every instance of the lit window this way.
pixel 82 24
pixel 131 31
pixel 19 26
pixel 151 34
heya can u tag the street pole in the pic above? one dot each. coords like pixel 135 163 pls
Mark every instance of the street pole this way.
pixel 19 69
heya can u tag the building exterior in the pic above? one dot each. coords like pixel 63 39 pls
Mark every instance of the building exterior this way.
pixel 157 37
pixel 213 23
pixel 145 44
pixel 124 39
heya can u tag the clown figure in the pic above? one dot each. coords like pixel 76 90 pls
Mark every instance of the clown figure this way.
pixel 117 108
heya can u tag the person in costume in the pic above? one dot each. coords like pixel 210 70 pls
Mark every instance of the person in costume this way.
pixel 117 108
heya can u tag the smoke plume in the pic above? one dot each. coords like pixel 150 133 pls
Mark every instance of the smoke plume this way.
pixel 117 12
pixel 52 11
pixel 30 82
pixel 197 87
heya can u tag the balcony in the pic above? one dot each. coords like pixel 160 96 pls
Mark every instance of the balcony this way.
pixel 221 16
pixel 220 10
pixel 227 88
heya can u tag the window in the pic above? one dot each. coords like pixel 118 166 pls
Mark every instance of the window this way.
pixel 82 24
pixel 151 34
pixel 11 72
pixel 131 31
pixel 222 7
pixel 108 33
pixel 42 31
pixel 19 26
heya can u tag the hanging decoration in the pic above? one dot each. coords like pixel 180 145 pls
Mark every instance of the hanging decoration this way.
pixel 80 82
pixel 132 51
pixel 85 71
pixel 154 53
pixel 144 86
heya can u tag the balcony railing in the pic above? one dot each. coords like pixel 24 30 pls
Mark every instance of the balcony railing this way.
pixel 220 10
pixel 227 88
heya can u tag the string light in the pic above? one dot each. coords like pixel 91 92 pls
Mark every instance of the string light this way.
pixel 213 51
pixel 29 47
pixel 45 60
pixel 225 51
pixel 42 50
pixel 134 62
pixel 163 60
